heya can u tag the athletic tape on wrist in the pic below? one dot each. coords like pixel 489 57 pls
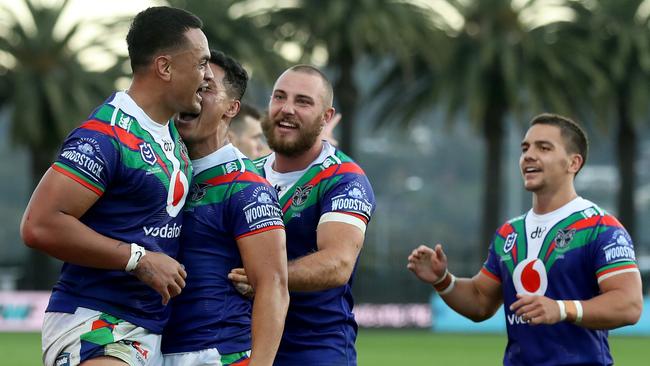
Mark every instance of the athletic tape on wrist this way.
pixel 578 311
pixel 560 304
pixel 449 288
pixel 137 252
pixel 442 278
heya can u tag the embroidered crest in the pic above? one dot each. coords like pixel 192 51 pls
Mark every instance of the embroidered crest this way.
pixel 300 195
pixel 563 238
pixel 147 153
pixel 198 191
pixel 511 240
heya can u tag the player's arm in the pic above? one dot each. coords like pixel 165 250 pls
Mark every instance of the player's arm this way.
pixel 619 303
pixel 331 266
pixel 51 224
pixel 265 262
pixel 476 298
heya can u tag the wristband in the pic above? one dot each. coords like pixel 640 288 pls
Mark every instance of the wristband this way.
pixel 560 304
pixel 578 305
pixel 450 287
pixel 137 252
pixel 444 277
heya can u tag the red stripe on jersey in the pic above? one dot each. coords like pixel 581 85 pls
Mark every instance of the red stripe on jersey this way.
pixel 611 221
pixel 243 362
pixel 259 231
pixel 360 217
pixel 240 177
pixel 78 180
pixel 489 274
pixel 549 251
pixel 327 173
pixel 130 140
pixel 585 223
pixel 506 230
pixel 615 269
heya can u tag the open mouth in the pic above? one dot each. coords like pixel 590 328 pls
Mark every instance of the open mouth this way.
pixel 530 170
pixel 187 117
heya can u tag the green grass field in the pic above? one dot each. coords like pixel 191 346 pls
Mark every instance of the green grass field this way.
pixel 383 348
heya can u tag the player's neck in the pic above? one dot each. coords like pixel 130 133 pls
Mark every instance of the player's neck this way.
pixel 149 99
pixel 549 201
pixel 286 164
pixel 200 149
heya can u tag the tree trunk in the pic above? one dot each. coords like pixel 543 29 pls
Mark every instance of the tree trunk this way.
pixel 42 270
pixel 493 131
pixel 626 145
pixel 346 93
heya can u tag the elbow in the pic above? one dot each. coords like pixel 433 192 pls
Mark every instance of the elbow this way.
pixel 633 314
pixel 342 273
pixel 33 233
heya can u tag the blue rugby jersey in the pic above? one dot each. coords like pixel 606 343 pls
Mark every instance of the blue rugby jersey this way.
pixel 320 328
pixel 562 255
pixel 140 170
pixel 228 200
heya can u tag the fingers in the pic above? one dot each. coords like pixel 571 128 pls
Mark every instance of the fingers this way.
pixel 182 272
pixel 237 278
pixel 165 296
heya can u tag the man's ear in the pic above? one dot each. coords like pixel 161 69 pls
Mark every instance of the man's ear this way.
pixel 327 116
pixel 233 109
pixel 162 67
pixel 575 163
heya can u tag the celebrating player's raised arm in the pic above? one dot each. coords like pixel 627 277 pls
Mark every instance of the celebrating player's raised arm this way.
pixel 477 298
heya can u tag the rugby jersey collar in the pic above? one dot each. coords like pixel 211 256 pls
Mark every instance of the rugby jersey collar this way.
pixel 124 102
pixel 327 150
pixel 575 205
pixel 223 155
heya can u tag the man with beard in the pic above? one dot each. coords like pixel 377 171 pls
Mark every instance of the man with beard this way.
pixel 565 271
pixel 327 202
pixel 232 218
pixel 109 206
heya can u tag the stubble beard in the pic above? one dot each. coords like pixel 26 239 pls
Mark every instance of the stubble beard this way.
pixel 308 135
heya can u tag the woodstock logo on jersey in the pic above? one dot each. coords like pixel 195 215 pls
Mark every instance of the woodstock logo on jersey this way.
pixel 264 198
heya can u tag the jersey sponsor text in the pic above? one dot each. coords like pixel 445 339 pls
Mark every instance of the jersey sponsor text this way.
pixel 83 160
pixel 166 231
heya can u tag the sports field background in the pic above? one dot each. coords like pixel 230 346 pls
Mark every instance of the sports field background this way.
pixel 384 348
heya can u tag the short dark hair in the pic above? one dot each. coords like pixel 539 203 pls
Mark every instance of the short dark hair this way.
pixel 575 137
pixel 313 70
pixel 238 122
pixel 156 29
pixel 235 78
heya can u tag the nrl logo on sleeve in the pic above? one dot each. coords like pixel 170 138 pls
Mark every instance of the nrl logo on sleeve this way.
pixel 511 240
pixel 147 153
pixel 563 238
pixel 300 195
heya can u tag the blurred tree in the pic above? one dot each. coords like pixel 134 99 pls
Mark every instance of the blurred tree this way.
pixel 51 92
pixel 499 63
pixel 237 28
pixel 618 31
pixel 341 33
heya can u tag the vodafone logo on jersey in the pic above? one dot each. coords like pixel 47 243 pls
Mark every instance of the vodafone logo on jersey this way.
pixel 178 188
pixel 530 278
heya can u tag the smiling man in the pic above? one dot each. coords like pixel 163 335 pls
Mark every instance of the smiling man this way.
pixel 565 270
pixel 109 207
pixel 327 202
pixel 232 218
